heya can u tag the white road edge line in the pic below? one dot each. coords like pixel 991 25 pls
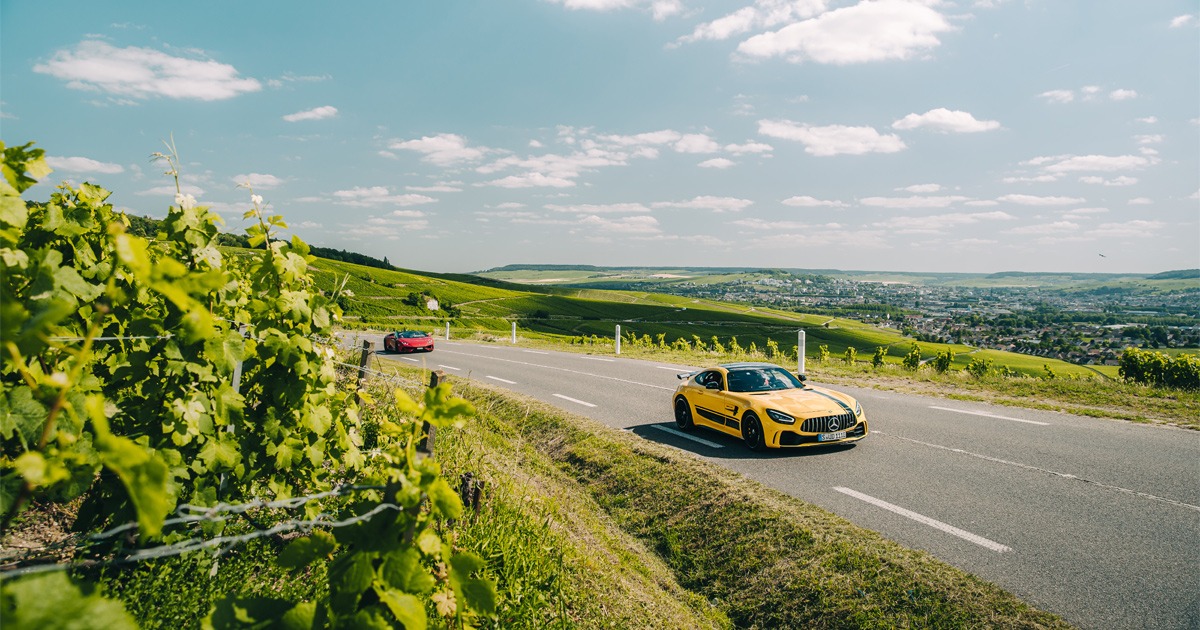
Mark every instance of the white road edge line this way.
pixel 574 400
pixel 450 368
pixel 690 437
pixel 673 369
pixel 502 380
pixel 597 358
pixel 990 415
pixel 997 460
pixel 920 518
pixel 410 359
pixel 534 352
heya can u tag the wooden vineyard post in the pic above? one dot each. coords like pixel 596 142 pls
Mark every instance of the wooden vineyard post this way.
pixel 436 378
pixel 362 364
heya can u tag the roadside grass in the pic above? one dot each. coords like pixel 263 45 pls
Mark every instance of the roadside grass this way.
pixel 763 559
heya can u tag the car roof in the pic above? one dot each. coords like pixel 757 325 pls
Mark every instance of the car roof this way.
pixel 746 365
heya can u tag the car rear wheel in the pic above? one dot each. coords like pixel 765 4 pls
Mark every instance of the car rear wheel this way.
pixel 752 432
pixel 683 414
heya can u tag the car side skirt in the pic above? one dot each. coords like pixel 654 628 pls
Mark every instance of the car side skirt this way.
pixel 719 418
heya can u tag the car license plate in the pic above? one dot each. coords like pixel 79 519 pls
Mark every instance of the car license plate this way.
pixel 830 437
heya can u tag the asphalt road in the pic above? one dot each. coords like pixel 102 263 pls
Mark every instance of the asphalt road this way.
pixel 1095 520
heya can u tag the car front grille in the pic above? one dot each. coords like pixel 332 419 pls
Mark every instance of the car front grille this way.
pixel 822 425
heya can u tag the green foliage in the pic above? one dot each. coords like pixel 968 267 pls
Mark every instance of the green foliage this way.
pixel 1050 374
pixel 716 346
pixel 698 343
pixel 912 360
pixel 772 349
pixel 822 354
pixel 877 358
pixel 50 601
pixel 851 356
pixel 1155 368
pixel 981 368
pixel 942 361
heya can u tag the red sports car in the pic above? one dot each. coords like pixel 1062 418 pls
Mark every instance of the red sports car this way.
pixel 408 341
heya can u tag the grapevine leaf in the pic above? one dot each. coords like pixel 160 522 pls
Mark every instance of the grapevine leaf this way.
pixel 13 210
pixel 407 609
pixel 144 476
pixel 302 552
pixel 479 595
pixel 21 414
pixel 349 575
pixel 444 498
pixel 220 449
pixel 50 600
pixel 232 613
pixel 403 570
pixel 368 619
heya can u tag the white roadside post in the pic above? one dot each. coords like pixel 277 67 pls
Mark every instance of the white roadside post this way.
pixel 618 338
pixel 447 331
pixel 800 353
pixel 514 332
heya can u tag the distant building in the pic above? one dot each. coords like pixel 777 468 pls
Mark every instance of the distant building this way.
pixel 431 304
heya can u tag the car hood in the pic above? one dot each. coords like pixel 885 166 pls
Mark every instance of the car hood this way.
pixel 809 402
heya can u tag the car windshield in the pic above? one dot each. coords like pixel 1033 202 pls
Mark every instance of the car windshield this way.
pixel 407 334
pixel 762 380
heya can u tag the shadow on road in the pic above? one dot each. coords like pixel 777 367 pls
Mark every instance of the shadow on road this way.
pixel 724 446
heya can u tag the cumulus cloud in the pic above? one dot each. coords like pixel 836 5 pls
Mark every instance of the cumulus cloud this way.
pixel 1116 181
pixel 447 187
pixel 1141 201
pixel 642 224
pixel 1182 20
pixel 1056 227
pixel 749 147
pixel 83 165
pixel 1122 95
pixel 187 189
pixel 804 201
pixel 596 5
pixel 876 30
pixel 1150 120
pixel 945 121
pixel 663 9
pixel 1076 214
pixel 531 180
pixel 762 14
pixel 1148 138
pixel 258 181
pixel 912 202
pixel 759 224
pixel 316 113
pixel 939 222
pixel 1128 229
pixel 587 208
pixel 144 72
pixel 716 204
pixel 721 163
pixel 1049 177
pixel 696 143
pixel 665 136
pixel 1100 163
pixel 1058 96
pixel 377 196
pixel 1033 200
pixel 833 139
pixel 444 149
pixel 921 188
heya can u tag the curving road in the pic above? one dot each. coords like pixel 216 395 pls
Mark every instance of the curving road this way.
pixel 1098 521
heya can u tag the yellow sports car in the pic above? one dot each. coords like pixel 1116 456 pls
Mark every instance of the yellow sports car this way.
pixel 766 406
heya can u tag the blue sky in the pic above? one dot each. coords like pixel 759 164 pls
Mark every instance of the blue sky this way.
pixel 980 136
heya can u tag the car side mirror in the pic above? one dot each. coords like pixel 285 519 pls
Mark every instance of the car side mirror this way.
pixel 802 377
pixel 716 386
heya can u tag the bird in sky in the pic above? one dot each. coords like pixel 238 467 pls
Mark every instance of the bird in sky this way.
pixel 1103 256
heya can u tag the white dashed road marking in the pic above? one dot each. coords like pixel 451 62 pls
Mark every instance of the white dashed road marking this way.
pixel 410 359
pixel 597 358
pixel 534 352
pixel 920 518
pixel 990 415
pixel 502 380
pixel 449 368
pixel 551 367
pixel 686 436
pixel 588 404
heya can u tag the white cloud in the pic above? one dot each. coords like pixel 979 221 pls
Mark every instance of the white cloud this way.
pixel 587 208
pixel 1128 229
pixel 535 144
pixel 509 205
pixel 1101 163
pixel 868 31
pixel 643 224
pixel 596 5
pixel 921 188
pixel 912 202
pixel 1050 177
pixel 716 204
pixel 1147 151
pixel 1045 228
pixel 721 163
pixel 309 224
pixel 531 180
pixel 316 113
pixel 663 9
pixel 945 121
pixel 1182 20
pixel 832 139
pixel 666 136
pixel 832 240
pixel 1148 120
pixel 1140 201
pixel 435 188
pixel 982 203
pixel 1032 200
pixel 940 222
pixel 763 14
pixel 696 143
pixel 1148 138
pixel 759 224
pixel 258 181
pixel 1116 181
pixel 804 201
pixel 83 165
pixel 749 147
pixel 1195 195
pixel 444 149
pixel 1090 90
pixel 1058 96
pixel 376 196
pixel 169 191
pixel 1076 214
pixel 144 72
pixel 388 154
pixel 1122 95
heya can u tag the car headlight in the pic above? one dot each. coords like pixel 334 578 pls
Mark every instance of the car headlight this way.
pixel 857 408
pixel 780 417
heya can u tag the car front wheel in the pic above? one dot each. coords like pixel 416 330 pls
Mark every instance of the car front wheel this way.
pixel 752 432
pixel 683 414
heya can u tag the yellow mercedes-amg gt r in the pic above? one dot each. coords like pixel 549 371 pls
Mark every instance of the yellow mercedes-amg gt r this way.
pixel 766 406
